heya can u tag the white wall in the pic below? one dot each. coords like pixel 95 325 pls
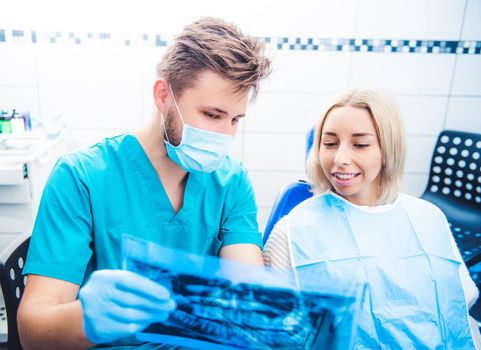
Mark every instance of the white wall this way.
pixel 103 86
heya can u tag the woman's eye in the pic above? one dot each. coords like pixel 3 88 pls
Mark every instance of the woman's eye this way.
pixel 329 144
pixel 235 120
pixel 361 145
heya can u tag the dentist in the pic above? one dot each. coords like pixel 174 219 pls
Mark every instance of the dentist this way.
pixel 171 182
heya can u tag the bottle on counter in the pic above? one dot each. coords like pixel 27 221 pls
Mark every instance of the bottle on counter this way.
pixel 17 122
pixel 5 123
pixel 26 120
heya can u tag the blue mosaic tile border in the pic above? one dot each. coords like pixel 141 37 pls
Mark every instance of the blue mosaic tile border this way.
pixel 469 47
pixel 380 45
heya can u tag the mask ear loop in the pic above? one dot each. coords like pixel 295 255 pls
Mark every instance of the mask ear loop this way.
pixel 178 111
pixel 175 103
pixel 163 125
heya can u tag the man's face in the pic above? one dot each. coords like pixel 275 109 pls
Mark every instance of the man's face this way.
pixel 210 105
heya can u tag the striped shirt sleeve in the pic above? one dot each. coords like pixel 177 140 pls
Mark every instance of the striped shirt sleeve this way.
pixel 276 252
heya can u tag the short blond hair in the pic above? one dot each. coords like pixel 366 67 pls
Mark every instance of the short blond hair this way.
pixel 390 132
pixel 213 44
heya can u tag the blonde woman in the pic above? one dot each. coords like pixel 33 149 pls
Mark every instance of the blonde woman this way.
pixel 358 226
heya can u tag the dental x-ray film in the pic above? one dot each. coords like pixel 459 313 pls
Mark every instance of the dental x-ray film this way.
pixel 222 304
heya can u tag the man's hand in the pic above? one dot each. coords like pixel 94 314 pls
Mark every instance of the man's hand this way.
pixel 118 304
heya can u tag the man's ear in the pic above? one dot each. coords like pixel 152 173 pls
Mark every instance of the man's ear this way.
pixel 161 92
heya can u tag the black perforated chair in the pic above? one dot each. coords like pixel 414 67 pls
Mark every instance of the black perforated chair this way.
pixel 455 187
pixel 12 259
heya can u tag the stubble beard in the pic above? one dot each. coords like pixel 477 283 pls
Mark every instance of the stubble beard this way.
pixel 172 127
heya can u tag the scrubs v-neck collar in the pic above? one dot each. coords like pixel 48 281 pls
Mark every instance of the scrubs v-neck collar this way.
pixel 151 184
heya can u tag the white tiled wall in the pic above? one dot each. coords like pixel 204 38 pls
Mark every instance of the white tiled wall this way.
pixel 419 150
pixel 471 28
pixel 404 73
pixel 103 90
pixel 309 71
pixel 466 81
pixel 422 115
pixel 410 19
pixel 25 96
pixel 464 113
pixel 284 112
pixel 97 66
pixel 93 107
pixel 17 65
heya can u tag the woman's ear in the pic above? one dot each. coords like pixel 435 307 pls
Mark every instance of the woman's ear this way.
pixel 161 92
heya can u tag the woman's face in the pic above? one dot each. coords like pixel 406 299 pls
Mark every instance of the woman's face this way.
pixel 350 155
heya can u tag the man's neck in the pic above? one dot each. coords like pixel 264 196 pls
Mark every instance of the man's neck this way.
pixel 151 139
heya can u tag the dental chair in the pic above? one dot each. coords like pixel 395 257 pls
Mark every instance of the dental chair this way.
pixel 12 260
pixel 455 187
pixel 290 195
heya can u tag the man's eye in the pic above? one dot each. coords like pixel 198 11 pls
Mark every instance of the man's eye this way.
pixel 212 115
pixel 235 120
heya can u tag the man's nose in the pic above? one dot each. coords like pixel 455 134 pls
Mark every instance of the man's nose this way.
pixel 227 127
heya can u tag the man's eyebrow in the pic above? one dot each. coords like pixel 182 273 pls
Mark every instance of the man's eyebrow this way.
pixel 217 109
pixel 221 111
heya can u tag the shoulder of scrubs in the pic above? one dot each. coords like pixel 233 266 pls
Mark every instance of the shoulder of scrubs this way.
pixel 239 217
pixel 62 235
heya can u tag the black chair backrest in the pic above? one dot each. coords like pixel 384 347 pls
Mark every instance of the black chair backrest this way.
pixel 12 260
pixel 455 187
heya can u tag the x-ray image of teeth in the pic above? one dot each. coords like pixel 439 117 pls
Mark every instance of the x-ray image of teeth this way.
pixel 224 305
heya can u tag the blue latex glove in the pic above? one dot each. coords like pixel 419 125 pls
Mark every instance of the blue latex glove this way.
pixel 118 304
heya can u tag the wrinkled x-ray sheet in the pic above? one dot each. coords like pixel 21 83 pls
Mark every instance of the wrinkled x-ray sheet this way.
pixel 226 305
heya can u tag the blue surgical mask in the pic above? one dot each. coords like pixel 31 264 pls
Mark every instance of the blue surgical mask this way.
pixel 199 151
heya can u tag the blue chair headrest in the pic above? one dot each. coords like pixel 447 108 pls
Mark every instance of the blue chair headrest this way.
pixel 309 140
pixel 290 195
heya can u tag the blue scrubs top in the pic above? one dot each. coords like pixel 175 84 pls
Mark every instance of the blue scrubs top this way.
pixel 94 196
